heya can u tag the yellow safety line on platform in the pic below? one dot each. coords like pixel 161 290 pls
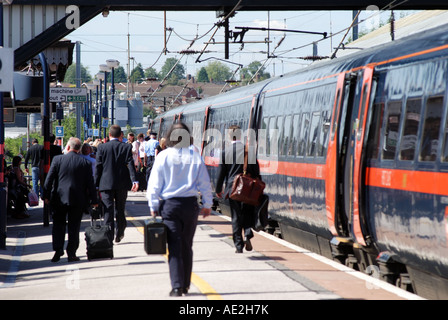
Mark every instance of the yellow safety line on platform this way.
pixel 200 283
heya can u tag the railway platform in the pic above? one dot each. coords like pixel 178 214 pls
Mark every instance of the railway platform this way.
pixel 274 270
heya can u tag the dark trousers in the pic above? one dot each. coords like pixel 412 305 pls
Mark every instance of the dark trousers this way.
pixel 61 214
pixel 114 202
pixel 242 220
pixel 180 215
pixel 149 164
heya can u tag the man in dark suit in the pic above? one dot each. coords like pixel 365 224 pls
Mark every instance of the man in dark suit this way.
pixel 232 164
pixel 70 189
pixel 114 176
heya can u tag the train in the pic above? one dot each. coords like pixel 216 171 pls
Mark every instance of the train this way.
pixel 354 154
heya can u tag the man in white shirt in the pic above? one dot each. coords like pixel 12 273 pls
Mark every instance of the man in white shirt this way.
pixel 178 176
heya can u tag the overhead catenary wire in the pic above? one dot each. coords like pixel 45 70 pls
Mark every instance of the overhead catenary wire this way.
pixel 172 69
pixel 233 75
pixel 161 53
pixel 269 57
pixel 217 26
pixel 389 6
pixel 282 52
pixel 178 95
pixel 343 38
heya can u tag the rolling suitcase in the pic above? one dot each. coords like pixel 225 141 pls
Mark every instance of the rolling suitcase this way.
pixel 99 240
pixel 141 178
pixel 155 236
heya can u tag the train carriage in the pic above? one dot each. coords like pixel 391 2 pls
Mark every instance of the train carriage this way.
pixel 354 154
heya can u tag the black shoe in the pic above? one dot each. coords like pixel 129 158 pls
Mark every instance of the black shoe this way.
pixel 57 256
pixel 72 259
pixel 185 290
pixel 238 250
pixel 118 238
pixel 176 292
pixel 248 245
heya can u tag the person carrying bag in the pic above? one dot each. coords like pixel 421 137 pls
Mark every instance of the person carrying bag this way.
pixel 235 170
pixel 179 176
pixel 245 188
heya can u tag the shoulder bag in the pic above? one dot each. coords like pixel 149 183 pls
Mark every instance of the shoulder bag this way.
pixel 245 188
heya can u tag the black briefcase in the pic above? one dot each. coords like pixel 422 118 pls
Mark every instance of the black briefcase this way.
pixel 155 236
pixel 99 240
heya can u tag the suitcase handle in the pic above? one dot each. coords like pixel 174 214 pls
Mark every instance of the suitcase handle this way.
pixel 157 219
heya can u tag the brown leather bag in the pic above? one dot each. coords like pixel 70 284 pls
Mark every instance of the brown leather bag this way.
pixel 245 188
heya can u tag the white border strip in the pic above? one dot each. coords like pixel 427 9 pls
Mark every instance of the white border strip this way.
pixel 374 282
pixel 10 278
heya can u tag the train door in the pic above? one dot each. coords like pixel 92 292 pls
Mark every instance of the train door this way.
pixel 333 158
pixel 361 126
pixel 345 169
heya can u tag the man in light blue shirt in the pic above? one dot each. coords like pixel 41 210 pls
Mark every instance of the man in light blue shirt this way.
pixel 178 173
pixel 150 153
pixel 178 176
pixel 86 151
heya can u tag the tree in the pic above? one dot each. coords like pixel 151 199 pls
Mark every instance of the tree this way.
pixel 137 73
pixel 149 112
pixel 151 73
pixel 177 74
pixel 218 72
pixel 202 75
pixel 70 75
pixel 247 73
pixel 119 75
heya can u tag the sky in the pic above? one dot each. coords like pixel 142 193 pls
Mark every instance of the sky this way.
pixel 107 38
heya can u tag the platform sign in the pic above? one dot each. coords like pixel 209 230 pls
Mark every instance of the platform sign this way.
pixel 59 94
pixel 6 69
pixel 59 131
pixel 77 98
pixel 9 115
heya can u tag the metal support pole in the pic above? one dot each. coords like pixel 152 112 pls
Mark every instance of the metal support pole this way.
pixel 100 107
pixel 97 114
pixel 226 39
pixel 46 128
pixel 89 122
pixel 105 108
pixel 78 85
pixel 3 204
pixel 355 25
pixel 112 98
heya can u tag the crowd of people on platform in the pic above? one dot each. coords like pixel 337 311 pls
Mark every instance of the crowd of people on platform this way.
pixel 171 170
pixel 20 180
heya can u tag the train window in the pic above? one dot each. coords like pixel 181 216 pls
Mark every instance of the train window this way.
pixel 287 133
pixel 284 128
pixel 295 135
pixel 280 135
pixel 273 137
pixel 410 129
pixel 196 134
pixel 365 90
pixel 262 138
pixel 313 134
pixel 431 128
pixel 335 119
pixel 445 144
pixel 391 133
pixel 374 139
pixel 323 137
pixel 304 134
